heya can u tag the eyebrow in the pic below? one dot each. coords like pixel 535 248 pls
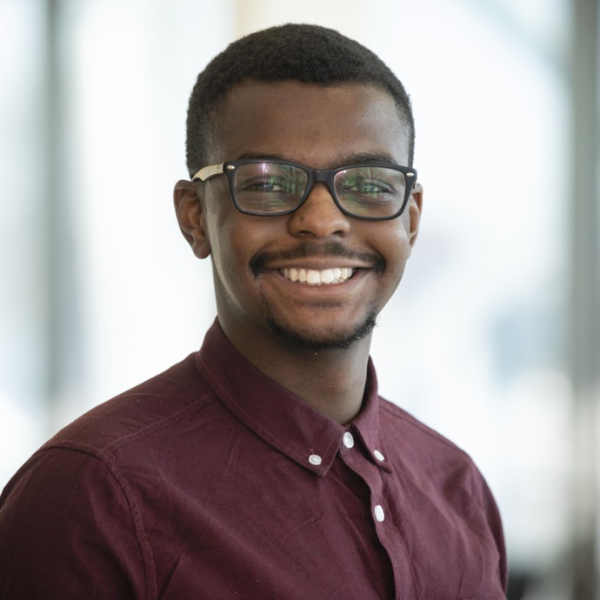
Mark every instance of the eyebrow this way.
pixel 360 158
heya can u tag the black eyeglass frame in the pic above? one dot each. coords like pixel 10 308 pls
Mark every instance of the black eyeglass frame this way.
pixel 314 176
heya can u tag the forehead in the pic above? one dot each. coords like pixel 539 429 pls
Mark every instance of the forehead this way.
pixel 316 125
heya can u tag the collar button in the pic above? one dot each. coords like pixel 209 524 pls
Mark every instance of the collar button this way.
pixel 348 440
pixel 315 459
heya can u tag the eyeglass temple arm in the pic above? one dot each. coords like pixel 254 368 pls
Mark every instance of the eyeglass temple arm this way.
pixel 208 172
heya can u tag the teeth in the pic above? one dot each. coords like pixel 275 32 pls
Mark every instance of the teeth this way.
pixel 313 277
pixel 327 276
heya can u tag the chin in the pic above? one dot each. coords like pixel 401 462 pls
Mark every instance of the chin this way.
pixel 310 339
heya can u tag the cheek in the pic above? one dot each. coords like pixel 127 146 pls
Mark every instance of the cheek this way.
pixel 234 242
pixel 392 242
pixel 222 252
pixel 393 245
pixel 226 258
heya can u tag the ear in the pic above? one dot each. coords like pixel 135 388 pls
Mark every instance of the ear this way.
pixel 191 217
pixel 415 209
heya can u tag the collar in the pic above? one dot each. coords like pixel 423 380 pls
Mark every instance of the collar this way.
pixel 280 417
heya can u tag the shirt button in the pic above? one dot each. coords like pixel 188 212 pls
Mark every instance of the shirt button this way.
pixel 315 459
pixel 379 514
pixel 348 440
pixel 380 457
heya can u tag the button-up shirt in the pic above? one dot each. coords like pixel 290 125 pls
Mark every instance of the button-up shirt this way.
pixel 213 481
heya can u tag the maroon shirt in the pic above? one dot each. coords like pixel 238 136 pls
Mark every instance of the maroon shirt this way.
pixel 212 481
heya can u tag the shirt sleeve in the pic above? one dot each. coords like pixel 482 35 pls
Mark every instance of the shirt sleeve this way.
pixel 67 530
pixel 494 521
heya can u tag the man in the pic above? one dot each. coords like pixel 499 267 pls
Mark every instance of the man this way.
pixel 265 465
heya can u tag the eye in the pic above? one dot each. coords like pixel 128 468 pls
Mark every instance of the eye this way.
pixel 266 185
pixel 363 185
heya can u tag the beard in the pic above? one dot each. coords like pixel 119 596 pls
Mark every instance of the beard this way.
pixel 299 339
pixel 305 339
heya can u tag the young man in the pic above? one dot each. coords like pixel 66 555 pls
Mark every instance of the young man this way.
pixel 265 465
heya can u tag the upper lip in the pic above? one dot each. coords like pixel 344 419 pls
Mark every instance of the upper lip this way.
pixel 319 263
pixel 318 257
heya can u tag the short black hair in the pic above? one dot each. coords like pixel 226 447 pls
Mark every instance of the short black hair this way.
pixel 307 53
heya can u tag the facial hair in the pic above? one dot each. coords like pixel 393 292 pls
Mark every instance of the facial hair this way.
pixel 296 338
pixel 299 340
pixel 329 249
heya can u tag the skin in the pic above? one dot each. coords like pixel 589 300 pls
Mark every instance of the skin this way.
pixel 320 127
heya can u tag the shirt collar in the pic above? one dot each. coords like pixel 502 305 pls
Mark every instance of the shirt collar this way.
pixel 366 423
pixel 279 417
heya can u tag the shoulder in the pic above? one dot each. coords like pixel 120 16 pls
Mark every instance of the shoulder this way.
pixel 396 420
pixel 90 481
pixel 72 522
pixel 137 413
pixel 427 453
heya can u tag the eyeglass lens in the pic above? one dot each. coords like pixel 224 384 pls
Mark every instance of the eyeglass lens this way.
pixel 270 188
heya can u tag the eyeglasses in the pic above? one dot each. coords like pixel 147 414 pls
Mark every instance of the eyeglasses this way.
pixel 374 191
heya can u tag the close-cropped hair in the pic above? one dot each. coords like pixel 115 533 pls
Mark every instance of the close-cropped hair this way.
pixel 308 53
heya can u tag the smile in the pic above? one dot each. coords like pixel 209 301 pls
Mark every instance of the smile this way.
pixel 314 277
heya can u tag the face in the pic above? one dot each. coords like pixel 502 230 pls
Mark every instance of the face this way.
pixel 255 259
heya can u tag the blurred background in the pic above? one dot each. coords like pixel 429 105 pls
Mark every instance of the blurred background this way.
pixel 493 338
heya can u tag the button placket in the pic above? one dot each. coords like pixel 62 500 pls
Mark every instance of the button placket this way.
pixel 372 471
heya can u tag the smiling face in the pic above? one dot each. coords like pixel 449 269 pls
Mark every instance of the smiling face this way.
pixel 315 278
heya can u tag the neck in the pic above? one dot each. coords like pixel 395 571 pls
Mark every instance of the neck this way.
pixel 332 381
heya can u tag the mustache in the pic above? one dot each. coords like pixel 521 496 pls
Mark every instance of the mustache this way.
pixel 332 248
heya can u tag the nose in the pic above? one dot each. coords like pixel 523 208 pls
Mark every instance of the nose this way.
pixel 319 216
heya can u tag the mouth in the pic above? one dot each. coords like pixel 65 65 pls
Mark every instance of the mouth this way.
pixel 330 263
pixel 313 277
